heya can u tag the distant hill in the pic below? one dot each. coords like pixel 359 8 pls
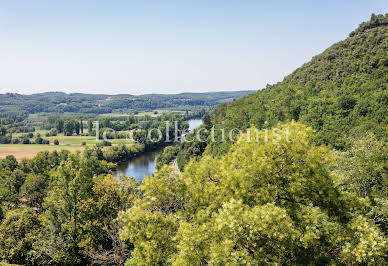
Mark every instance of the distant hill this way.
pixel 58 102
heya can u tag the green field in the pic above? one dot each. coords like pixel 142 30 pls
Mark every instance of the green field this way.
pixel 70 143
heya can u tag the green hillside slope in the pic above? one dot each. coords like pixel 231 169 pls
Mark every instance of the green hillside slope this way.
pixel 339 92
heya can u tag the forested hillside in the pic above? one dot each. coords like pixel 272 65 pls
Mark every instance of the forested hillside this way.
pixel 340 93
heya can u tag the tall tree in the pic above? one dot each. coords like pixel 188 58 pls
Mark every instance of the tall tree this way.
pixel 90 126
pixel 76 126
pixel 81 123
pixel 68 127
pixel 60 125
pixel 72 183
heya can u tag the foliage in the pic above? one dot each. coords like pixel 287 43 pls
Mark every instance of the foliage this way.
pixel 261 203
pixel 364 170
pixel 17 233
pixel 168 155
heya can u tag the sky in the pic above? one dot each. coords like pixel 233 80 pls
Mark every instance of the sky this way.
pixel 164 46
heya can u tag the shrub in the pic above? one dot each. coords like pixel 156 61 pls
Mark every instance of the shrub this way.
pixel 106 143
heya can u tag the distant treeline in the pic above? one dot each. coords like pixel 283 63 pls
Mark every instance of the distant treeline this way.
pixel 58 102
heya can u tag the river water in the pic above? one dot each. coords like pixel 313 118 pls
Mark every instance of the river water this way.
pixel 144 164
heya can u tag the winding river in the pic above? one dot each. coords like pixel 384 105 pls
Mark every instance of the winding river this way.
pixel 144 165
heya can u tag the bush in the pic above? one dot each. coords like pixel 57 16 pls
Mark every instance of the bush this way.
pixel 53 132
pixel 168 155
pixel 106 143
pixel 56 142
pixel 16 141
pixel 83 143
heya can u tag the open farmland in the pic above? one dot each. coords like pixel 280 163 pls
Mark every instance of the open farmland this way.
pixel 70 143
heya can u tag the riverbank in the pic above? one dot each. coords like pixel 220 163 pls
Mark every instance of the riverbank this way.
pixel 144 163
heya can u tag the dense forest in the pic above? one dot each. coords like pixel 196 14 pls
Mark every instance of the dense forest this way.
pixel 312 191
pixel 342 94
pixel 59 102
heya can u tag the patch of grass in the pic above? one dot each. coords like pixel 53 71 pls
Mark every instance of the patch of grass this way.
pixel 72 140
pixel 70 143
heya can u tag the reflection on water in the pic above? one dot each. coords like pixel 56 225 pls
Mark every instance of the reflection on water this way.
pixel 144 164
pixel 140 166
pixel 194 123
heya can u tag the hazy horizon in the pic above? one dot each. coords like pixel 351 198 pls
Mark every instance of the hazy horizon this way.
pixel 165 47
pixel 113 94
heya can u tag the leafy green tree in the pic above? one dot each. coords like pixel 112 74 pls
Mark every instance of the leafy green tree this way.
pixel 77 127
pixel 168 155
pixel 9 162
pixel 33 191
pixel 364 171
pixel 99 227
pixel 17 235
pixel 90 126
pixel 60 125
pixel 68 128
pixel 71 183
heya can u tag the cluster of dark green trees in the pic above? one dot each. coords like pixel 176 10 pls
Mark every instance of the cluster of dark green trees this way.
pixel 48 203
pixel 29 138
pixel 66 126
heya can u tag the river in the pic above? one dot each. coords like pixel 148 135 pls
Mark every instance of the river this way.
pixel 144 164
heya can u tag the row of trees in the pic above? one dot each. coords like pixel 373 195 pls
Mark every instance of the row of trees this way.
pixel 69 127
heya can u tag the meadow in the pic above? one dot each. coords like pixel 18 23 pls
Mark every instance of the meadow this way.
pixel 70 143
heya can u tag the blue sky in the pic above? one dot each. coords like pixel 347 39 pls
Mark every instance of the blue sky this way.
pixel 166 46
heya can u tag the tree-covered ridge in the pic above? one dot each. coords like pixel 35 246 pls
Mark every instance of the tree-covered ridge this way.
pixel 56 102
pixel 341 92
pixel 375 21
